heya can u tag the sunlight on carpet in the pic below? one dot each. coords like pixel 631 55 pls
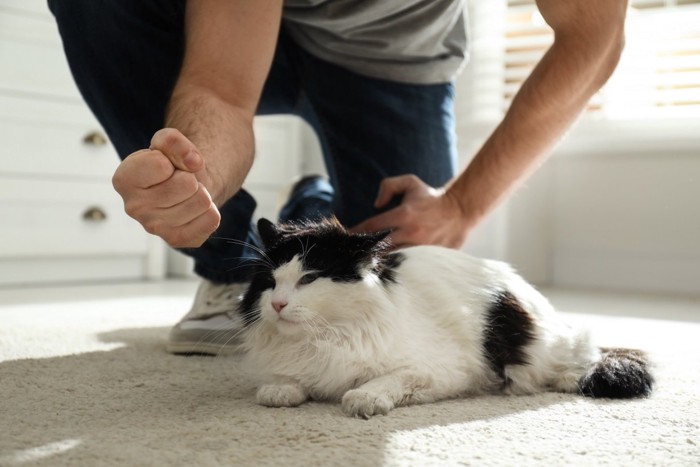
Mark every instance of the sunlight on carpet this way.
pixel 58 329
pixel 38 453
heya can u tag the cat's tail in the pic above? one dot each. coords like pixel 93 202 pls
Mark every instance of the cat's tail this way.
pixel 619 374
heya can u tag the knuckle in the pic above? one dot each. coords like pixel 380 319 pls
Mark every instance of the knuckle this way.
pixel 163 137
pixel 170 138
pixel 162 164
pixel 389 182
pixel 133 208
pixel 181 239
pixel 190 184
pixel 202 200
pixel 210 221
pixel 215 218
pixel 417 232
pixel 176 240
pixel 413 179
pixel 130 209
pixel 119 180
pixel 403 213
pixel 154 227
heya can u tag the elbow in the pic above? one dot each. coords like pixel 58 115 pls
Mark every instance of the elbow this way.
pixel 599 44
pixel 588 34
pixel 615 45
pixel 609 58
pixel 611 44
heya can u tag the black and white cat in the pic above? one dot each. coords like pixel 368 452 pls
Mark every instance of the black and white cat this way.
pixel 336 316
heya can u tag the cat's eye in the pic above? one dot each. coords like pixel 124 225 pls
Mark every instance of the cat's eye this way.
pixel 308 278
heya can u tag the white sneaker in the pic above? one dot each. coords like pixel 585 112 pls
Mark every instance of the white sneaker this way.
pixel 210 327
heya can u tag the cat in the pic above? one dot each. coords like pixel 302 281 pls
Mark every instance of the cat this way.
pixel 336 316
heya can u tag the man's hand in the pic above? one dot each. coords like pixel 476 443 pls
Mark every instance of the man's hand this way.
pixel 162 189
pixel 426 215
pixel 588 40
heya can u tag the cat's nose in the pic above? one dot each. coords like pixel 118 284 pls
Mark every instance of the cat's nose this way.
pixel 278 306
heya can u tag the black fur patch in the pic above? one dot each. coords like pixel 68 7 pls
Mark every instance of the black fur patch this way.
pixel 508 330
pixel 248 307
pixel 387 270
pixel 325 247
pixel 619 374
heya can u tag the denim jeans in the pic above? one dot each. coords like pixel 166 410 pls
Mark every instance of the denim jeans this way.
pixel 125 57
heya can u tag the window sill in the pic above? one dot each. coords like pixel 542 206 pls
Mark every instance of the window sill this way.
pixel 642 137
pixel 604 138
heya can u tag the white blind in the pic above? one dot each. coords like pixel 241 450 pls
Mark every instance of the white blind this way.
pixel 658 75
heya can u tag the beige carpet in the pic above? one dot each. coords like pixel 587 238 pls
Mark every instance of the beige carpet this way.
pixel 84 381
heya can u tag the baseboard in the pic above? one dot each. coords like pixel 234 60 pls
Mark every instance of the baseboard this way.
pixel 24 271
pixel 627 272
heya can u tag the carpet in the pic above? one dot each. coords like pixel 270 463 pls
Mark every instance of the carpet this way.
pixel 85 382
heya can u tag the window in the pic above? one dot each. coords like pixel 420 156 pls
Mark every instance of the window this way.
pixel 658 76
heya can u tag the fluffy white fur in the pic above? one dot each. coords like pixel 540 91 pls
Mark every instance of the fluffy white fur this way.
pixel 375 346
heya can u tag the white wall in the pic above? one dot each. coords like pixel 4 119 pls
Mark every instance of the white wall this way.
pixel 606 213
pixel 629 217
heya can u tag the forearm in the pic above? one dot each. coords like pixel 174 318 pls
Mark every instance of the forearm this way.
pixel 229 49
pixel 222 132
pixel 549 101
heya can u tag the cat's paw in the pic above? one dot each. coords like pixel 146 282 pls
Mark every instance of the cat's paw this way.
pixel 280 395
pixel 360 403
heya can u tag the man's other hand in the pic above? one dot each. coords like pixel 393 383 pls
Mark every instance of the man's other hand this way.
pixel 426 215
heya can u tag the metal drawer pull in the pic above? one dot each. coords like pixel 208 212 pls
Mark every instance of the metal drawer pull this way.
pixel 94 214
pixel 95 138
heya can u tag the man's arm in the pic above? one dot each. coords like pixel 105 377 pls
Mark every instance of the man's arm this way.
pixel 588 40
pixel 202 157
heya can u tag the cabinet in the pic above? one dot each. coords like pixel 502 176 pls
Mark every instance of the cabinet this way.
pixel 60 218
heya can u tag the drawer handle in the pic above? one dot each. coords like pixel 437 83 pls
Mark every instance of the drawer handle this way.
pixel 94 214
pixel 95 138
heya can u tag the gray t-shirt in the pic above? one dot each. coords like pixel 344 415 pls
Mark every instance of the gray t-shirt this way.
pixel 410 41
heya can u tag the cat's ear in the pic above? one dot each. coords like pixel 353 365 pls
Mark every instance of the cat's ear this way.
pixel 374 240
pixel 269 233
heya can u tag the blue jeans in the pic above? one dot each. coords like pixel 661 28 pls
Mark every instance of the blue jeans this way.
pixel 125 57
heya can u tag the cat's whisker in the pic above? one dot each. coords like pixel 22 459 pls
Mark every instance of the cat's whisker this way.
pixel 306 253
pixel 238 333
pixel 327 327
pixel 321 331
pixel 239 242
pixel 253 247
pixel 240 266
pixel 213 331
pixel 248 260
pixel 303 248
pixel 228 341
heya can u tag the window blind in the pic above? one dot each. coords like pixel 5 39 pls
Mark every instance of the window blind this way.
pixel 658 75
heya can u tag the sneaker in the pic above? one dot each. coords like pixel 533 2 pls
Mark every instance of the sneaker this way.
pixel 211 327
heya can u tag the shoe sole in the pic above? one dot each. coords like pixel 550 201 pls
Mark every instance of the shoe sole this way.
pixel 202 341
pixel 200 348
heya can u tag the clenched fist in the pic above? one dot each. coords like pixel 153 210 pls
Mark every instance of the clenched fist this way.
pixel 162 189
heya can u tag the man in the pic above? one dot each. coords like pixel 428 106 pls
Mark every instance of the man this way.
pixel 176 85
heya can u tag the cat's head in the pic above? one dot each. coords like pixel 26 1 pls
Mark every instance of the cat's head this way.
pixel 315 273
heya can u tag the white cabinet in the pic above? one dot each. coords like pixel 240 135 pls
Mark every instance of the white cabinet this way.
pixel 277 164
pixel 60 219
